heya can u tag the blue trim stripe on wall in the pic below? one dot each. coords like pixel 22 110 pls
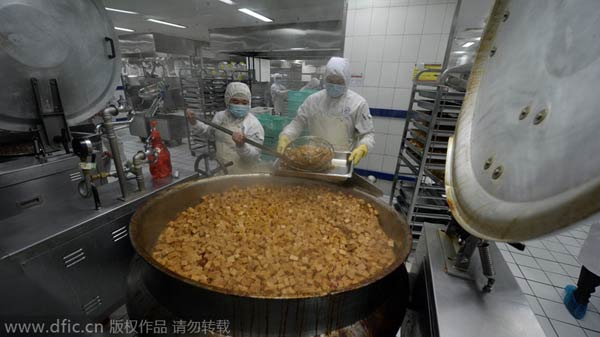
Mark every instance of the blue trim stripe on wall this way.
pixel 381 175
pixel 388 113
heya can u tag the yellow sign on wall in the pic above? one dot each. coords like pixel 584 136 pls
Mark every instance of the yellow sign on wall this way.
pixel 430 75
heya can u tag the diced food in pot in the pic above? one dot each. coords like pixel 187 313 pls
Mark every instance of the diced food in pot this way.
pixel 277 241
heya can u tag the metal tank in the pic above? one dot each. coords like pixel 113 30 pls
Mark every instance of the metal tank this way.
pixel 70 41
pixel 524 161
pixel 374 308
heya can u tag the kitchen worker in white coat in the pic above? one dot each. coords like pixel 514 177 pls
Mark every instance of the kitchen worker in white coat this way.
pixel 577 297
pixel 237 118
pixel 336 114
pixel 279 95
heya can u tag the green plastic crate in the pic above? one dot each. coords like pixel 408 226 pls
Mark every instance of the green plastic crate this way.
pixel 295 99
pixel 273 125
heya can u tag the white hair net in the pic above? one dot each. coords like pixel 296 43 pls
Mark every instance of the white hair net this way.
pixel 338 66
pixel 237 90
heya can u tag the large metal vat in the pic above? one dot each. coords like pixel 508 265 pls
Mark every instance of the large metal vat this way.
pixel 157 293
pixel 71 41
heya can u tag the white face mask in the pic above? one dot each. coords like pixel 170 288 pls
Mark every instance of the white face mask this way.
pixel 238 110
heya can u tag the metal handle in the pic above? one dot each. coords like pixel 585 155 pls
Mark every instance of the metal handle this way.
pixel 249 141
pixel 97 203
pixel 30 202
pixel 112 47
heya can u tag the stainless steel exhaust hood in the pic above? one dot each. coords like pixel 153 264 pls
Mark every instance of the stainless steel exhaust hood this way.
pixel 289 41
pixel 148 44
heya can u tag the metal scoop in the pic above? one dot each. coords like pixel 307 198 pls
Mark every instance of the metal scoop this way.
pixel 287 160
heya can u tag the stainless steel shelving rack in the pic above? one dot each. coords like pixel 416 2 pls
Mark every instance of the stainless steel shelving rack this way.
pixel 418 186
pixel 203 93
pixel 193 98
pixel 214 82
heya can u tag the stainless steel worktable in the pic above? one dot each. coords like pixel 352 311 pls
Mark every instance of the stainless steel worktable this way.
pixel 449 306
pixel 38 225
pixel 66 259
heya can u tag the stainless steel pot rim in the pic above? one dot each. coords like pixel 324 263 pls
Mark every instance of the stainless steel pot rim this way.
pixel 135 225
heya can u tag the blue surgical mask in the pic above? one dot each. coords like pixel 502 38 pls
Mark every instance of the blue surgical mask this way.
pixel 238 110
pixel 335 90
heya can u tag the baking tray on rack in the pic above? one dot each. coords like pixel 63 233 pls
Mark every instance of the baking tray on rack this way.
pixel 447 96
pixel 446 105
pixel 341 169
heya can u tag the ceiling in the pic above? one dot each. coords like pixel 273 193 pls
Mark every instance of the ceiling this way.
pixel 201 15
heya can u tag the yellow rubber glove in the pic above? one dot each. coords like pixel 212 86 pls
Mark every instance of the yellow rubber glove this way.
pixel 283 143
pixel 359 153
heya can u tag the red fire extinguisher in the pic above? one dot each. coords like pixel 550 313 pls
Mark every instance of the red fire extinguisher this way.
pixel 161 167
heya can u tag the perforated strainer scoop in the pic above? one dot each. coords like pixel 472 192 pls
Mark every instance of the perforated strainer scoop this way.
pixel 309 153
pixel 306 153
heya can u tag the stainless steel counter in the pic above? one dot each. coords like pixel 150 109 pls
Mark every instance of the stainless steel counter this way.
pixel 37 225
pixel 67 259
pixel 449 306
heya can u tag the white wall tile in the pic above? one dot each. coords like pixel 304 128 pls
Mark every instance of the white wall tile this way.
pixel 380 124
pixel 360 3
pixel 417 2
pixel 379 147
pixel 415 18
pixel 398 2
pixel 360 52
pixel 448 17
pixel 350 21
pixel 428 48
pixel 431 2
pixel 357 67
pixel 364 3
pixel 442 48
pixel 396 126
pixel 392 145
pixel 375 161
pixel 389 164
pixel 362 21
pixel 363 163
pixel 404 75
pixel 372 71
pixel 385 98
pixel 410 48
pixel 381 3
pixel 359 90
pixel 396 20
pixel 375 48
pixel 379 21
pixel 392 48
pixel 348 47
pixel 370 94
pixel 389 71
pixel 434 19
pixel 401 99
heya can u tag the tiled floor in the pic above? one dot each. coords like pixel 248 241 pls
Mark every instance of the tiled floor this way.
pixel 542 270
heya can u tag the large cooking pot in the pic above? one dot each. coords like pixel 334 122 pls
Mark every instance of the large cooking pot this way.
pixel 375 307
